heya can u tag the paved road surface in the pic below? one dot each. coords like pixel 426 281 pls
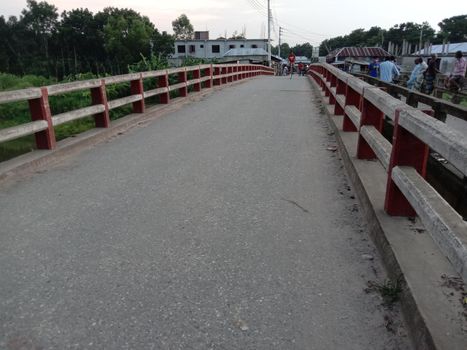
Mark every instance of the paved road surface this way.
pixel 225 225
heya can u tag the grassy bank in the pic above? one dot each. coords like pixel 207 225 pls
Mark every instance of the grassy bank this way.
pixel 12 114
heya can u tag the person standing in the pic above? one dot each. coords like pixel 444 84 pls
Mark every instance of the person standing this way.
pixel 292 62
pixel 373 68
pixel 300 69
pixel 416 77
pixel 388 70
pixel 457 77
pixel 430 74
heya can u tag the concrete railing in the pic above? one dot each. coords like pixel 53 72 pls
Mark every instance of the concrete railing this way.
pixel 364 108
pixel 413 98
pixel 43 122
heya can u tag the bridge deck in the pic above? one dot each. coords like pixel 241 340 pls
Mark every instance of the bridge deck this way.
pixel 225 225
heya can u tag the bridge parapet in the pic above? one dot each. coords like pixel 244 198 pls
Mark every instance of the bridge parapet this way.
pixel 43 122
pixel 364 108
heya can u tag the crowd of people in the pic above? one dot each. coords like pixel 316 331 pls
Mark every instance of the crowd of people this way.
pixel 423 75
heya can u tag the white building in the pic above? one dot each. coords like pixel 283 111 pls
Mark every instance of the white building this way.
pixel 209 49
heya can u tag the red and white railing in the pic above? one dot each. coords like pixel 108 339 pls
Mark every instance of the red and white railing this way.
pixel 43 122
pixel 364 107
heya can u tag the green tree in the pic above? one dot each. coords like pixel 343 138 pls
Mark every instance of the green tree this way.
pixel 329 45
pixel 183 29
pixel 127 36
pixel 80 44
pixel 305 49
pixel 356 38
pixel 285 50
pixel 411 32
pixel 163 43
pixel 454 29
pixel 4 50
pixel 23 49
pixel 374 36
pixel 41 19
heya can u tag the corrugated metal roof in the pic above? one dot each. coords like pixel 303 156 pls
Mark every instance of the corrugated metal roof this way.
pixel 358 52
pixel 246 52
pixel 452 48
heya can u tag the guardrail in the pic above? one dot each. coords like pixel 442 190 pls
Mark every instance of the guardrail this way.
pixel 43 122
pixel 364 108
pixel 441 108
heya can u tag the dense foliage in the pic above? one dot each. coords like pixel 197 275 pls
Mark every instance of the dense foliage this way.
pixel 305 49
pixel 453 29
pixel 42 42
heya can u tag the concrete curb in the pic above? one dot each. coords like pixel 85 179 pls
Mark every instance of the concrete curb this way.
pixel 433 312
pixel 26 164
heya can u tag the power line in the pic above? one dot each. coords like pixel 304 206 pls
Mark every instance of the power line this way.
pixel 299 40
pixel 306 37
pixel 260 5
pixel 256 7
pixel 295 34
pixel 305 31
pixel 302 37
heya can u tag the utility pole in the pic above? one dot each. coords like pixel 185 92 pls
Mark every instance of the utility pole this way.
pixel 420 42
pixel 280 33
pixel 269 33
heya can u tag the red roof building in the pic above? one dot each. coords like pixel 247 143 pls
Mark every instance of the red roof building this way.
pixel 359 53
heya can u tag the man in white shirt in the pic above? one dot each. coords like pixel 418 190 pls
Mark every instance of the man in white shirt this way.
pixel 388 70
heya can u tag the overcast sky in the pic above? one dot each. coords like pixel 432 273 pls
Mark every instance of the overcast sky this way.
pixel 303 20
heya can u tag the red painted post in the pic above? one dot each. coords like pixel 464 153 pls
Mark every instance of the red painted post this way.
pixel 321 83
pixel 182 77
pixel 230 71
pixel 352 98
pixel 235 71
pixel 333 81
pixel 208 73
pixel 197 75
pixel 99 97
pixel 163 81
pixel 327 92
pixel 371 115
pixel 332 99
pixel 407 150
pixel 224 71
pixel 318 80
pixel 340 90
pixel 315 77
pixel 136 88
pixel 216 80
pixel 40 110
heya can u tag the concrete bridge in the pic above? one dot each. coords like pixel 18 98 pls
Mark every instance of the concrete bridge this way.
pixel 251 212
